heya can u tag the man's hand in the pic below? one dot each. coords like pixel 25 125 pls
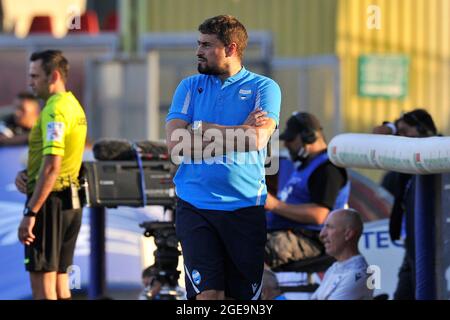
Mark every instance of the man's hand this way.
pixel 271 202
pixel 383 129
pixel 256 118
pixel 21 181
pixel 25 232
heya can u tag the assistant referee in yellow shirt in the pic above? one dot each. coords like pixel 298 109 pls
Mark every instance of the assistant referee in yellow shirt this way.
pixel 52 215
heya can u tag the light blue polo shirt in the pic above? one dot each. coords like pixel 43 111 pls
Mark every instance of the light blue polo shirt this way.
pixel 235 180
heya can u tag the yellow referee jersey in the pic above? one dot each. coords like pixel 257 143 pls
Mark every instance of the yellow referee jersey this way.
pixel 61 130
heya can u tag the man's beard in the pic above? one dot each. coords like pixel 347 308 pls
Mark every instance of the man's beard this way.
pixel 208 70
pixel 40 95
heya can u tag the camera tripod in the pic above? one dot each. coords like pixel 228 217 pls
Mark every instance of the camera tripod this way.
pixel 164 273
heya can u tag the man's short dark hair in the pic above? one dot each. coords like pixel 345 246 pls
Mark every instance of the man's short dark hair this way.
pixel 422 120
pixel 25 95
pixel 228 29
pixel 52 60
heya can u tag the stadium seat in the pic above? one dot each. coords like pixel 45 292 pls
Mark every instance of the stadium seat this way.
pixel 88 23
pixel 111 22
pixel 308 266
pixel 41 24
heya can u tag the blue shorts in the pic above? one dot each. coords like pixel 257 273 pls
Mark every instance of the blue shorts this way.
pixel 222 250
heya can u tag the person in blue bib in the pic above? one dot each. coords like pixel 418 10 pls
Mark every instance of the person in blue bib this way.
pixel 217 130
pixel 296 215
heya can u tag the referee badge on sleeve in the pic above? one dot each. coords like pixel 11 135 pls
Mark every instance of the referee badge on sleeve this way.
pixel 55 131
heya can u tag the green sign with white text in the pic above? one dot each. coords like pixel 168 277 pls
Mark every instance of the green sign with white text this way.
pixel 383 76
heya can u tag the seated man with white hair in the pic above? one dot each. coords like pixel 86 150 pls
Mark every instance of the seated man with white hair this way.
pixel 347 278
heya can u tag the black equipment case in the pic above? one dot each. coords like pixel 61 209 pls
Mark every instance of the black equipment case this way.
pixel 118 183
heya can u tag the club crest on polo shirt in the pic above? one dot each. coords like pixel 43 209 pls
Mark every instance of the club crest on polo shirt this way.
pixel 55 131
pixel 244 93
pixel 196 277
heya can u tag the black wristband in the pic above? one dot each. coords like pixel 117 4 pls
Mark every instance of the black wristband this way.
pixel 27 212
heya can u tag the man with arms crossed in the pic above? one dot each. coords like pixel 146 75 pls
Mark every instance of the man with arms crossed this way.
pixel 220 217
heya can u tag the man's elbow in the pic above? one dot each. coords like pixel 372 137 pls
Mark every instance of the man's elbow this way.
pixel 170 146
pixel 171 142
pixel 321 216
pixel 176 134
pixel 177 149
pixel 261 140
pixel 260 145
pixel 263 135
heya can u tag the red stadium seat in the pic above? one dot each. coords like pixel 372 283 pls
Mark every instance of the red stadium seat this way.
pixel 88 23
pixel 111 22
pixel 41 24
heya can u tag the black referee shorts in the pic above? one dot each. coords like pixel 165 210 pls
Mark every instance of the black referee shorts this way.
pixel 56 230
